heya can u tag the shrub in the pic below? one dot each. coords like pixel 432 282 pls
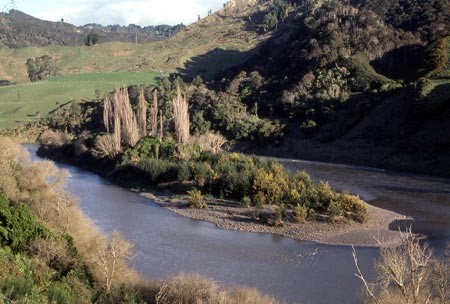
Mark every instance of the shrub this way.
pixel 54 138
pixel 196 199
pixel 300 213
pixel 246 202
pixel 59 294
pixel 106 146
pixel 334 210
pixel 21 224
pixel 201 173
pixel 17 287
pixel 273 183
pixel 247 296
pixel 353 207
pixel 235 174
pixel 188 289
pixel 158 170
pixel 321 196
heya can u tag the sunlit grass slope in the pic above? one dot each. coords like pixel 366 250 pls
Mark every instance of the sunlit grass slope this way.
pixel 28 102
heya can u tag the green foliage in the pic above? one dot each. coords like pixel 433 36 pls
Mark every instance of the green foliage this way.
pixel 157 170
pixel 40 68
pixel 300 213
pixel 235 174
pixel 196 199
pixel 151 147
pixel 249 180
pixel 17 288
pixel 21 225
pixel 59 294
pixel 246 202
pixel 353 207
pixel 91 39
pixel 273 183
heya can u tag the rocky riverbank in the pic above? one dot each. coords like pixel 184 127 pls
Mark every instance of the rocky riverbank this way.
pixel 372 233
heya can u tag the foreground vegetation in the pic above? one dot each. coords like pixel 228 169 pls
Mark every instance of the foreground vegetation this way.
pixel 50 253
pixel 408 274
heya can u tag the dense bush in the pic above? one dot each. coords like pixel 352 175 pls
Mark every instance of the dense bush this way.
pixel 237 176
pixel 20 224
pixel 352 207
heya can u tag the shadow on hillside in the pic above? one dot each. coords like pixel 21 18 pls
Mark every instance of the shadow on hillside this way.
pixel 214 62
pixel 404 63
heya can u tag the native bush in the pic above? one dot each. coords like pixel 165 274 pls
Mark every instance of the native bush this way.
pixel 352 207
pixel 157 170
pixel 21 225
pixel 300 213
pixel 235 174
pixel 273 183
pixel 196 199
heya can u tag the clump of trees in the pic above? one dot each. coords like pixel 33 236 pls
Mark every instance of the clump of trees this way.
pixel 238 177
pixel 128 125
pixel 91 39
pixel 40 68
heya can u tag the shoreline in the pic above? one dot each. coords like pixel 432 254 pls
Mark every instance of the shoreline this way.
pixel 374 233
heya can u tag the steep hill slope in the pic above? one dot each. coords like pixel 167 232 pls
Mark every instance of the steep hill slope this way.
pixel 353 83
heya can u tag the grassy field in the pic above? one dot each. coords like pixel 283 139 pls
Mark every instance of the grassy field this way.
pixel 28 102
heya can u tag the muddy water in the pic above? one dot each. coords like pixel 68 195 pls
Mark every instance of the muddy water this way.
pixel 292 271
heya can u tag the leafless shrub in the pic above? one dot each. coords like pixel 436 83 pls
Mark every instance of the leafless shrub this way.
pixel 187 289
pixel 106 146
pixel 241 295
pixel 210 141
pixel 54 138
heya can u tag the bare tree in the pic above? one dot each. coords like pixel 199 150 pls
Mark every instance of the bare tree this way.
pixel 111 258
pixel 161 125
pixel 154 114
pixel 125 117
pixel 407 274
pixel 181 117
pixel 142 114
pixel 107 113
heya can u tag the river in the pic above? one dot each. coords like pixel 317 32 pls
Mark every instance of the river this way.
pixel 292 271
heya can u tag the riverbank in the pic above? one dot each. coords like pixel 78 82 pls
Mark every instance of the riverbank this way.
pixel 373 233
pixel 231 216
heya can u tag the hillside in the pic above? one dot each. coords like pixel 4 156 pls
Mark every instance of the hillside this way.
pixel 18 29
pixel 346 81
pixel 215 42
pixel 351 83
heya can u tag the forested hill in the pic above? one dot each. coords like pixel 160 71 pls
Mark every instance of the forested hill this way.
pixel 18 29
pixel 353 81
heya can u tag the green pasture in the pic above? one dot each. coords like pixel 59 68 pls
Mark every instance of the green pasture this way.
pixel 31 101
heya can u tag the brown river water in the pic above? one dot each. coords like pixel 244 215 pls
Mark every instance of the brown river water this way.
pixel 293 271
